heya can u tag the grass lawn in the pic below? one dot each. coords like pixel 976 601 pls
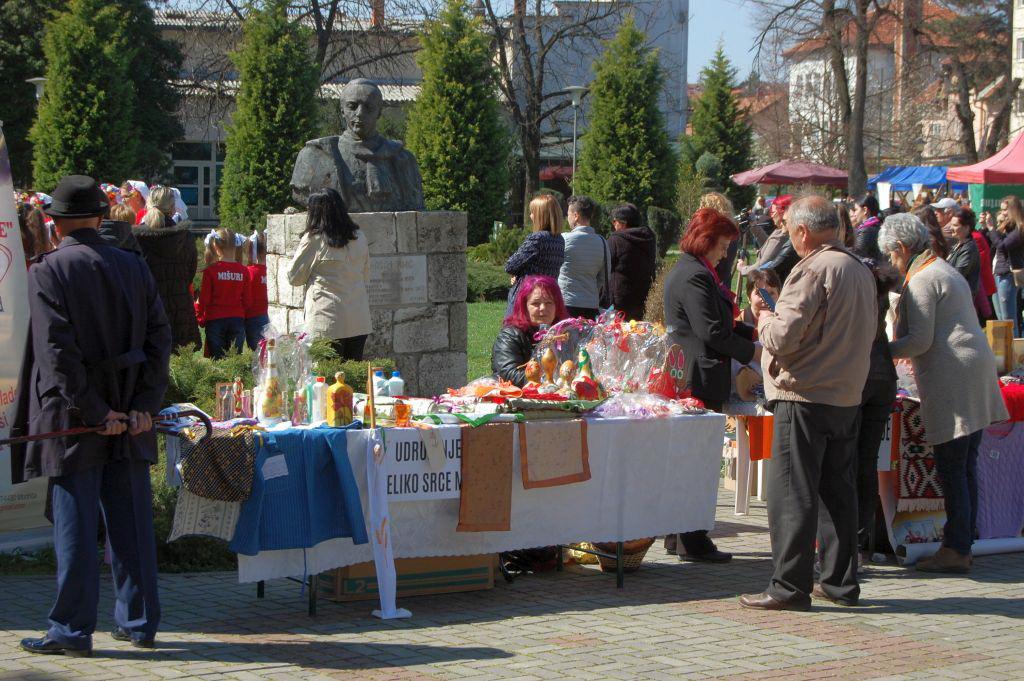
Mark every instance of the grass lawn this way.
pixel 484 324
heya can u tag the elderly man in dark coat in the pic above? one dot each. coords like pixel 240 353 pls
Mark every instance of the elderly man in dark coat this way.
pixel 101 346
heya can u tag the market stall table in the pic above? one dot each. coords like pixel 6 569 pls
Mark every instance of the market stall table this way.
pixel 649 477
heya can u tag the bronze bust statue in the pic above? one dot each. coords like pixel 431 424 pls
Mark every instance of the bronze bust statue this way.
pixel 372 173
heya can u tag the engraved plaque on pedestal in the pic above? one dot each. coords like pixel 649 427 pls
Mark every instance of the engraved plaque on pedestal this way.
pixel 398 280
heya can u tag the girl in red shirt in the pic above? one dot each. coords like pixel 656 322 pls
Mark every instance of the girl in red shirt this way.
pixel 223 295
pixel 256 317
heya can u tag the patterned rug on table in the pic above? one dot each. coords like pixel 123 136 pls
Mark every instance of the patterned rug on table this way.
pixel 919 479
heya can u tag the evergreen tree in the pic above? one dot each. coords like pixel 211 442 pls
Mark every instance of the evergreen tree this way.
pixel 21 58
pixel 455 128
pixel 720 126
pixel 85 119
pixel 626 153
pixel 276 113
pixel 154 68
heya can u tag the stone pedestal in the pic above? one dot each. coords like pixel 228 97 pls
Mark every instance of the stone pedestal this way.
pixel 417 292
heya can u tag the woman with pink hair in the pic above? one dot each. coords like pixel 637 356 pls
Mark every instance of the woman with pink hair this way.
pixel 538 303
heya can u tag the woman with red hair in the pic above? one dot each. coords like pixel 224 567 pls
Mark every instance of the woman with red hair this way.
pixel 700 314
pixel 538 303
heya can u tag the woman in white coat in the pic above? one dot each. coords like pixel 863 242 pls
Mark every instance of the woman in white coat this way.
pixel 333 263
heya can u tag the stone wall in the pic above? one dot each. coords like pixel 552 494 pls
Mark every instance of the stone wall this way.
pixel 417 291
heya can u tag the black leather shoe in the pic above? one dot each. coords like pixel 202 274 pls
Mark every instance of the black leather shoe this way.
pixel 764 601
pixel 714 556
pixel 820 594
pixel 47 646
pixel 120 634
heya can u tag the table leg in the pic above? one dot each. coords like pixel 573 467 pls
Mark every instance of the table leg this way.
pixel 742 505
pixel 260 589
pixel 762 478
pixel 314 586
pixel 620 568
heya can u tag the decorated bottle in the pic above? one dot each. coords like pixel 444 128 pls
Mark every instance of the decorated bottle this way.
pixel 318 407
pixel 300 412
pixel 271 396
pixel 339 402
pixel 237 391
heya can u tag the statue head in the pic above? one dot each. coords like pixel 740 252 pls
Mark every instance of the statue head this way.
pixel 361 105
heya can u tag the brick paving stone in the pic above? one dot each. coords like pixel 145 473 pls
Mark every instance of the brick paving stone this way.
pixel 672 621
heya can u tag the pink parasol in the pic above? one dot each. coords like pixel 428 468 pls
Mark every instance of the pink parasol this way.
pixel 793 173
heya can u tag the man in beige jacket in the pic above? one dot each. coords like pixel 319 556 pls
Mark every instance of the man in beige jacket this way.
pixel 817 346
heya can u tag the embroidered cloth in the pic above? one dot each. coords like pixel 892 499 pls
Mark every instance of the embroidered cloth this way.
pixel 551 454
pixel 485 501
pixel 920 489
pixel 196 516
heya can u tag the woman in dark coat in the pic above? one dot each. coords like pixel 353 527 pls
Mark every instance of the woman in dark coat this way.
pixel 170 252
pixel 539 303
pixel 963 252
pixel 543 251
pixel 634 255
pixel 700 314
pixel 867 223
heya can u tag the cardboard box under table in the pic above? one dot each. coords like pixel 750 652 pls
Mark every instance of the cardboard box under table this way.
pixel 416 577
pixel 649 477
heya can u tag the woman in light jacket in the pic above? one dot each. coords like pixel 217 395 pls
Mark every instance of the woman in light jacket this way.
pixel 937 329
pixel 333 263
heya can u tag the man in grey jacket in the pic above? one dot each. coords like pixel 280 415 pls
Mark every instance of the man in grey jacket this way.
pixel 817 347
pixel 585 269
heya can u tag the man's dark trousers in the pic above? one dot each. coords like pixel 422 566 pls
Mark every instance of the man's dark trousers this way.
pixel 122 490
pixel 813 462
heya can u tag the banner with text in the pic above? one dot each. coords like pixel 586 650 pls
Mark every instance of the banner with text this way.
pixel 424 464
pixel 13 316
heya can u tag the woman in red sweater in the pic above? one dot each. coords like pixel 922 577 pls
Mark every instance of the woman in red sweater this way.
pixel 256 317
pixel 223 295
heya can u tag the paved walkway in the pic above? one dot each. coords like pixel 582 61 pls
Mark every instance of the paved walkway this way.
pixel 672 621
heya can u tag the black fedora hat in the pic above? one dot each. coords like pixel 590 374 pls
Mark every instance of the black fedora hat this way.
pixel 77 196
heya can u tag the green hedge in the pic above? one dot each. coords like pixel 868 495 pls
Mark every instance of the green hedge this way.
pixel 486 281
pixel 666 225
pixel 499 249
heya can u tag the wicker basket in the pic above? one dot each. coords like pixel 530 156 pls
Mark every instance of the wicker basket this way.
pixel 633 553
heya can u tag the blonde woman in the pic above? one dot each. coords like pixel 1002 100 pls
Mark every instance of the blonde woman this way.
pixel 542 251
pixel 170 252
pixel 721 203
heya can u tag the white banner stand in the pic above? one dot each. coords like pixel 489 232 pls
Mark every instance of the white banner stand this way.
pixel 13 311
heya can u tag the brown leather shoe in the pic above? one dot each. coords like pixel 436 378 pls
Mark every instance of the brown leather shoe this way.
pixel 945 560
pixel 819 593
pixel 764 601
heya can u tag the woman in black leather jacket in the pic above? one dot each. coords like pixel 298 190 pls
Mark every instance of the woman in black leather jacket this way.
pixel 538 303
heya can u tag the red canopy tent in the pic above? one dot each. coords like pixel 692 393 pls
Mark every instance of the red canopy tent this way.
pixel 793 173
pixel 1005 167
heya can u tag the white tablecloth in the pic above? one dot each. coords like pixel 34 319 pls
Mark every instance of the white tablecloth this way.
pixel 649 477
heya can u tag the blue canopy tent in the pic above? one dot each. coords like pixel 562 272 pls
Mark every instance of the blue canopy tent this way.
pixel 903 178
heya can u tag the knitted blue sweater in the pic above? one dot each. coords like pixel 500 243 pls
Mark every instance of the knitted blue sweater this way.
pixel 316 500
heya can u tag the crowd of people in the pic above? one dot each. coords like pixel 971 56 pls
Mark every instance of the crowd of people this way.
pixel 838 294
pixel 821 299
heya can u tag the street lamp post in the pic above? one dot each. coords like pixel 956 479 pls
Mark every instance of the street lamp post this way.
pixel 576 92
pixel 39 82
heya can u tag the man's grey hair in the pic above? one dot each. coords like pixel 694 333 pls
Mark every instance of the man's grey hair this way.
pixel 903 228
pixel 814 212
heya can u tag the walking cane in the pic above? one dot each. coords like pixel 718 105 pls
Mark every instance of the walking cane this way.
pixel 162 423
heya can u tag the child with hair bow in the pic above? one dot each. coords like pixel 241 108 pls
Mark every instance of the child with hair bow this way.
pixel 223 294
pixel 256 317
